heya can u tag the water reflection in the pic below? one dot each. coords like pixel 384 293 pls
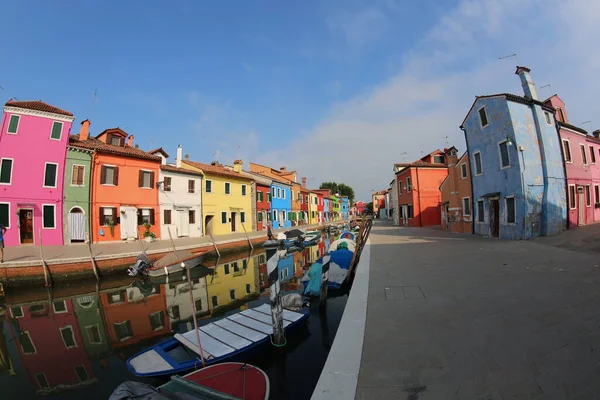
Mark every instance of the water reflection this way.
pixel 73 340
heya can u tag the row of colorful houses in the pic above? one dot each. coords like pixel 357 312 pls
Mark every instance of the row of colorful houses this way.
pixel 59 188
pixel 527 172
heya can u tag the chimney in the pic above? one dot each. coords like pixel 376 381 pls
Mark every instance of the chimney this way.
pixel 283 169
pixel 527 83
pixel 187 156
pixel 303 183
pixel 596 133
pixel 84 132
pixel 237 166
pixel 214 163
pixel 179 156
pixel 130 141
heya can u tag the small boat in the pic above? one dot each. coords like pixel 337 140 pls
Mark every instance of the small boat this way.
pixel 232 338
pixel 311 238
pixel 339 266
pixel 174 262
pixel 178 276
pixel 350 244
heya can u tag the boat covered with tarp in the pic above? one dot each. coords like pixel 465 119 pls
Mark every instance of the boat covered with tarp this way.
pixel 339 265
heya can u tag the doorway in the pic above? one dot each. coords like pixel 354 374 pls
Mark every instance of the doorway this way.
pixel 446 217
pixel 233 214
pixel 76 225
pixel 128 223
pixel 184 222
pixel 580 206
pixel 494 218
pixel 208 224
pixel 26 225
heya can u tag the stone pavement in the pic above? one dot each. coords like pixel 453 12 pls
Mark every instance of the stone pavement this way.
pixel 581 239
pixel 463 317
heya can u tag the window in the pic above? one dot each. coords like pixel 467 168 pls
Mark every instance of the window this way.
pixel 191 186
pixel 93 333
pixel 306 199
pixel 6 171
pixel 248 288
pixel 108 214
pixel 583 154
pixel 224 217
pixel 244 264
pixel 208 186
pixel 274 215
pixel 269 197
pixel 548 118
pixel 511 216
pixel 400 187
pixel 283 195
pixel 215 301
pixel 273 192
pixel 259 216
pixel 463 171
pixel 561 115
pixel 300 197
pixel 167 184
pixel 284 215
pixel 50 171
pixel 17 312
pixel 477 160
pixel 77 175
pixel 504 157
pixel 439 159
pixel 167 217
pixel 56 130
pixel 572 197
pixel 26 343
pixel 588 196
pixel 243 190
pixel 466 203
pixel 198 304
pixel 115 140
pixel 592 155
pixel 278 193
pixel 123 330
pixel 42 380
pixel 243 217
pixel 259 196
pixel 175 312
pixel 5 214
pixel 146 179
pixel 192 216
pixel 226 270
pixel 227 188
pixel 480 211
pixel 567 151
pixel 597 194
pixel 49 216
pixel 68 337
pixel 409 210
pixel 483 120
pixel 109 175
pixel 157 320
pixel 116 297
pixel 146 216
pixel 232 294
pixel 60 307
pixel 13 124
pixel 82 374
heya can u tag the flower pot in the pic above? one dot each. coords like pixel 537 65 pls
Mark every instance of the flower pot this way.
pixel 149 239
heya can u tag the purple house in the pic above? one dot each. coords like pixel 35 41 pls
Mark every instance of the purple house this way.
pixel 33 145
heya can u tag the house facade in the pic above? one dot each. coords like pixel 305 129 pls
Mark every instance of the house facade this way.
pixel 517 171
pixel 281 204
pixel 179 197
pixel 304 204
pixel 344 207
pixel 180 309
pixel 394 201
pixel 234 279
pixel 91 324
pixel 262 198
pixel 33 146
pixel 457 199
pixel 313 208
pixel 376 199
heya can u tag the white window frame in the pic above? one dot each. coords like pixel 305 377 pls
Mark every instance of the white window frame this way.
pixel 150 172
pixel 63 328
pixel 463 206
pixel 596 193
pixel 123 323
pixel 17 316
pixel 475 163
pixel 108 166
pixel 244 190
pixel 465 176
pixel 2 202
pixel 500 154
pixel 225 188
pixel 60 312
pixel 86 372
pixel 30 340
pixel 37 374
pixel 479 117
pixel 279 193
pixel 506 210
pixel 274 216
pixel 55 176
pixel 574 197
pixel 54 208
pixel 284 215
pixel 12 168
pixel 588 190
pixel 226 217
pixel 568 142
pixel 548 117
pixel 583 153
pixel 90 337
pixel 206 186
pixel 408 184
pixel 158 328
pixel 18 124
pixel 482 201
pixel 592 155
pixel 72 170
pixel 283 196
pixel 61 130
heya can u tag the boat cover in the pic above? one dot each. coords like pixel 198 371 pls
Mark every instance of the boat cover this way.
pixel 141 391
pixel 339 264
pixel 336 244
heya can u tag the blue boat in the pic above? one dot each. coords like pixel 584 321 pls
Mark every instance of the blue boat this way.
pixel 233 338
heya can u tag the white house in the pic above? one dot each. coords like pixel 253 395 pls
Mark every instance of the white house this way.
pixel 179 197
pixel 179 306
pixel 394 201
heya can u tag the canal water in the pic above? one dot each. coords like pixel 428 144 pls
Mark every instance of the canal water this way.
pixel 72 342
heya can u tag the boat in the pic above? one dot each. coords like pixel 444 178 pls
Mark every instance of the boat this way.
pixel 174 262
pixel 350 244
pixel 311 238
pixel 339 266
pixel 195 273
pixel 232 338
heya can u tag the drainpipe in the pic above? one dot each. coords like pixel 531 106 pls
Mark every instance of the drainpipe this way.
pixel 419 198
pixel 201 208
pixel 462 128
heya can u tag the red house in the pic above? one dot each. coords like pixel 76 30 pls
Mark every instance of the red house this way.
pixel 322 194
pixel 304 202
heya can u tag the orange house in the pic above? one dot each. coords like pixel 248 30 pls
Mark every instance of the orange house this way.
pixel 124 196
pixel 457 212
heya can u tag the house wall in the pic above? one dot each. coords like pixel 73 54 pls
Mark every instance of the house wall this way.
pixel 178 301
pixel 31 148
pixel 89 313
pixel 263 207
pixel 244 282
pixel 313 208
pixel 179 198
pixel 74 195
pixel 454 189
pixel 280 201
pixel 425 196
pixel 595 169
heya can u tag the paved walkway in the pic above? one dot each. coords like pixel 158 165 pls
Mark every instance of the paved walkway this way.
pixel 22 255
pixel 463 317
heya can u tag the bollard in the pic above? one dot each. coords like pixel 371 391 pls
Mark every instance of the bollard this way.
pixel 273 256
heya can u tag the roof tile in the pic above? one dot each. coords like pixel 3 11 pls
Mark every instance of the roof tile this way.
pixel 101 147
pixel 216 169
pixel 37 105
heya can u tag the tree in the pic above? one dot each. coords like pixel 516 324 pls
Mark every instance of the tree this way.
pixel 370 207
pixel 341 188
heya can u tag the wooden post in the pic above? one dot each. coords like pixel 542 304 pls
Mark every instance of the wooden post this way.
pixel 44 266
pixel 215 244
pixel 248 237
pixel 189 278
pixel 174 251
pixel 274 295
pixel 359 245
pixel 324 280
pixel 94 266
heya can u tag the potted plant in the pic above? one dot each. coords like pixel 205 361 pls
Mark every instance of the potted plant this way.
pixel 148 236
pixel 111 226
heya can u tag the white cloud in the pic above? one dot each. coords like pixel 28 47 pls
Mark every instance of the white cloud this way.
pixel 415 110
pixel 358 28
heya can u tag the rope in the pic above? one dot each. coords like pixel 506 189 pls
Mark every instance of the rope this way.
pixel 278 345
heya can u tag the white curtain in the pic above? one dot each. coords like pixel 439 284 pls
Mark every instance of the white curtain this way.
pixel 77 226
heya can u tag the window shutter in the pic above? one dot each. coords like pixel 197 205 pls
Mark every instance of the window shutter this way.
pixel 109 138
pixel 152 216
pixel 80 175
pixel 101 216
pixel 140 178
pixel 115 217
pixel 103 175
pixel 152 179
pixel 140 220
pixel 116 177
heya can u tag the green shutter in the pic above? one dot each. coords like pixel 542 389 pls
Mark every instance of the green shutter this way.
pixel 48 217
pixel 4 216
pixel 13 124
pixel 259 216
pixel 56 130
pixel 224 217
pixel 242 217
pixel 208 186
pixel 5 171
pixel 50 177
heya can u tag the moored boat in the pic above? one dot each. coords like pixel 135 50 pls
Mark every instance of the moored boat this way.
pixel 174 262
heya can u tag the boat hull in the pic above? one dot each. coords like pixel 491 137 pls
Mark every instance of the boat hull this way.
pixel 175 267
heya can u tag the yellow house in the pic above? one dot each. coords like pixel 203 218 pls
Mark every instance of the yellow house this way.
pixel 313 213
pixel 226 198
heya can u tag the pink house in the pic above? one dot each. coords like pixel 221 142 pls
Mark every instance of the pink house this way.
pixel 582 162
pixel 33 145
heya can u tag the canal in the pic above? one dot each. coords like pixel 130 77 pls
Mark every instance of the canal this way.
pixel 72 342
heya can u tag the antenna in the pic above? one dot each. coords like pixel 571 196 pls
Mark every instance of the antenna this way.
pixel 510 55
pixel 94 98
pixel 545 86
pixel 588 122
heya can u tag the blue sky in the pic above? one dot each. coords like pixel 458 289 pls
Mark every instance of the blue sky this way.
pixel 338 90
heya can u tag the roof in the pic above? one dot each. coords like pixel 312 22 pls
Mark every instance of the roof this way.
pixel 37 105
pixel 572 127
pixel 420 164
pixel 216 170
pixel 260 179
pixel 159 150
pixel 101 147
pixel 172 168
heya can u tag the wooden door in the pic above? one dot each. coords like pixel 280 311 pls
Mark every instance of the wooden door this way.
pixel 233 214
pixel 580 206
pixel 26 225
pixel 184 222
pixel 495 218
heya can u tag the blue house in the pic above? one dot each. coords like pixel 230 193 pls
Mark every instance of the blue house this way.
pixel 285 267
pixel 517 172
pixel 344 207
pixel 326 209
pixel 281 204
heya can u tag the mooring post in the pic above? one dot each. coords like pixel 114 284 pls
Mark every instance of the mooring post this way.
pixel 44 266
pixel 324 280
pixel 94 265
pixel 215 244
pixel 274 294
pixel 248 237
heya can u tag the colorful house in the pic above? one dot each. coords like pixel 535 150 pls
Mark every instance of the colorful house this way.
pixel 377 198
pixel 360 206
pixel 336 210
pixel 262 198
pixel 281 204
pixel 33 146
pixel 180 309
pixel 320 205
pixel 226 199
pixel 344 207
pixel 457 209
pixel 326 208
pixel 77 187
pixel 313 208
pixel 234 279
pixel 419 196
pixel 304 204
pixel 296 194
pixel 124 197
pixel 90 320
pixel 179 197
pixel 517 171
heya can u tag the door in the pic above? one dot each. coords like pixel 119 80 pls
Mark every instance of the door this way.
pixel 405 215
pixel 494 218
pixel 447 217
pixel 128 223
pixel 233 214
pixel 26 225
pixel 184 223
pixel 76 225
pixel 580 206
pixel 208 224
pixel 281 219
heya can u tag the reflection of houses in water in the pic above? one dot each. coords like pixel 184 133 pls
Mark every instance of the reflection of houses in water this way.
pixel 286 268
pixel 179 305
pixel 298 263
pixel 263 276
pixel 50 345
pixel 6 362
pixel 132 316
pixel 88 312
pixel 233 279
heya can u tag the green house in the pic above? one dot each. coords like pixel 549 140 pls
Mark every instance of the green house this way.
pixel 88 311
pixel 77 190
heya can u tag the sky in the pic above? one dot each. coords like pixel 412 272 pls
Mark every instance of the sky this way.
pixel 336 90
